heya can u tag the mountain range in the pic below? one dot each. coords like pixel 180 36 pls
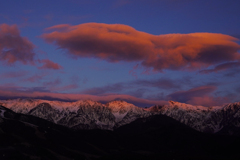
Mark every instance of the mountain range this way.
pixel 94 115
pixel 41 129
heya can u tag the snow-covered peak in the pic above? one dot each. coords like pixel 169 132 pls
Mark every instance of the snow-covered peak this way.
pixel 20 105
pixel 232 106
pixel 25 105
pixel 90 114
pixel 91 103
pixel 120 106
pixel 156 108
pixel 185 106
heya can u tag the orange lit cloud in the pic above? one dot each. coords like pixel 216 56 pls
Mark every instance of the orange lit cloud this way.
pixel 117 42
pixel 48 64
pixel 13 47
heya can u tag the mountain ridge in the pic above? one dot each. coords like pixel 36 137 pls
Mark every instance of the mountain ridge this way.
pixel 95 115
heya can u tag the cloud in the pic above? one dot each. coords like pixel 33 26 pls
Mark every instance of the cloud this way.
pixel 60 27
pixel 64 88
pixel 10 87
pixel 48 64
pixel 117 42
pixel 53 83
pixel 117 87
pixel 195 96
pixel 199 96
pixel 141 92
pixel 13 74
pixel 236 36
pixel 184 96
pixel 36 77
pixel 120 3
pixel 222 67
pixel 13 47
pixel 162 83
pixel 18 92
pixel 208 101
pixel 137 86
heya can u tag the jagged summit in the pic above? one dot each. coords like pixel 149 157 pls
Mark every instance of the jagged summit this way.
pixel 115 106
pixel 186 106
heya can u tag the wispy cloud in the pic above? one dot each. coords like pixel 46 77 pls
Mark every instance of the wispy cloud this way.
pixel 120 3
pixel 14 74
pixel 114 88
pixel 139 87
pixel 48 64
pixel 18 92
pixel 222 67
pixel 53 83
pixel 63 88
pixel 35 78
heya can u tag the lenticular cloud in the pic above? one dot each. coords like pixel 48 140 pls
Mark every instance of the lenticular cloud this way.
pixel 117 42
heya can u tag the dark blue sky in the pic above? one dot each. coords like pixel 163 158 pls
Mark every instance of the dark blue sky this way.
pixel 142 51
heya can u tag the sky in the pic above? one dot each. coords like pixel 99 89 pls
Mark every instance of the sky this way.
pixel 145 52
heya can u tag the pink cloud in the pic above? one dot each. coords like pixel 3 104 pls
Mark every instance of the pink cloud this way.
pixel 208 101
pixel 36 78
pixel 186 95
pixel 53 83
pixel 199 96
pixel 162 83
pixel 133 71
pixel 13 74
pixel 75 97
pixel 143 85
pixel 117 42
pixel 48 64
pixel 13 47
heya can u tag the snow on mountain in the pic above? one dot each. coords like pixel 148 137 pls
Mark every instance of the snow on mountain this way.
pixel 122 109
pixel 193 116
pixel 94 115
pixel 204 119
pixel 125 112
pixel 80 114
pixel 2 111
